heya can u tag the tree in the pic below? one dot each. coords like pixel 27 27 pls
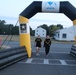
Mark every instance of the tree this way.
pixel 8 29
pixel 2 23
pixel 53 28
pixel 60 26
pixel 32 32
pixel 15 30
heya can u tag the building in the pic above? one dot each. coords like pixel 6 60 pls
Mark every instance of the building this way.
pixel 40 31
pixel 66 34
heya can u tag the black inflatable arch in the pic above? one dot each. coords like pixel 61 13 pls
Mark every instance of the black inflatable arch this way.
pixel 65 7
pixel 38 6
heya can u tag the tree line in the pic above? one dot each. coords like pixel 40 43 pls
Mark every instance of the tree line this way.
pixel 51 28
pixel 10 29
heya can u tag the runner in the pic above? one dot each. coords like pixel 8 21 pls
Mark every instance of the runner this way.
pixel 47 43
pixel 38 41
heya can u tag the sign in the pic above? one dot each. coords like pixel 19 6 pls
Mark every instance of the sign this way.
pixel 50 6
pixel 23 28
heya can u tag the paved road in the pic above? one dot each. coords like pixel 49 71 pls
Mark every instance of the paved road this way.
pixel 12 44
pixel 56 48
pixel 59 62
pixel 54 64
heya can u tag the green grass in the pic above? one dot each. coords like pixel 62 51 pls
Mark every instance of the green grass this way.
pixel 16 38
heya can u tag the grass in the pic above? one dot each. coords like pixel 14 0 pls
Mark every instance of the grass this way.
pixel 16 38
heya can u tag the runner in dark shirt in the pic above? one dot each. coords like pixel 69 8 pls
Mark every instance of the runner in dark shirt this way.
pixel 47 43
pixel 38 44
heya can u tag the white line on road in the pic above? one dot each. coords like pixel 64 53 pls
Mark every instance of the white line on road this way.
pixel 63 62
pixel 61 52
pixel 46 61
pixel 29 60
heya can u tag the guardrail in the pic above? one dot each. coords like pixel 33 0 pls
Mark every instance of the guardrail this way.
pixel 73 50
pixel 12 55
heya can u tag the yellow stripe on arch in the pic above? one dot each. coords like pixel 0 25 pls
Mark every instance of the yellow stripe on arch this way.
pixel 25 41
pixel 25 37
pixel 75 39
pixel 74 22
pixel 23 20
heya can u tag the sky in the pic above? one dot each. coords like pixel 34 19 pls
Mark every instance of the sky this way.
pixel 10 10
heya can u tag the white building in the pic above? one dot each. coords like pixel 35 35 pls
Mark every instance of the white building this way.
pixel 40 31
pixel 66 34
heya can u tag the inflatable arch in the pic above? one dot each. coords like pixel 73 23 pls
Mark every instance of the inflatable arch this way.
pixel 38 6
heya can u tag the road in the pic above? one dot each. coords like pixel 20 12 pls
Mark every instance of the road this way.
pixel 59 62
pixel 55 47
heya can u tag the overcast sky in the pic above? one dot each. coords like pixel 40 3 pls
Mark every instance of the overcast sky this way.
pixel 10 10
